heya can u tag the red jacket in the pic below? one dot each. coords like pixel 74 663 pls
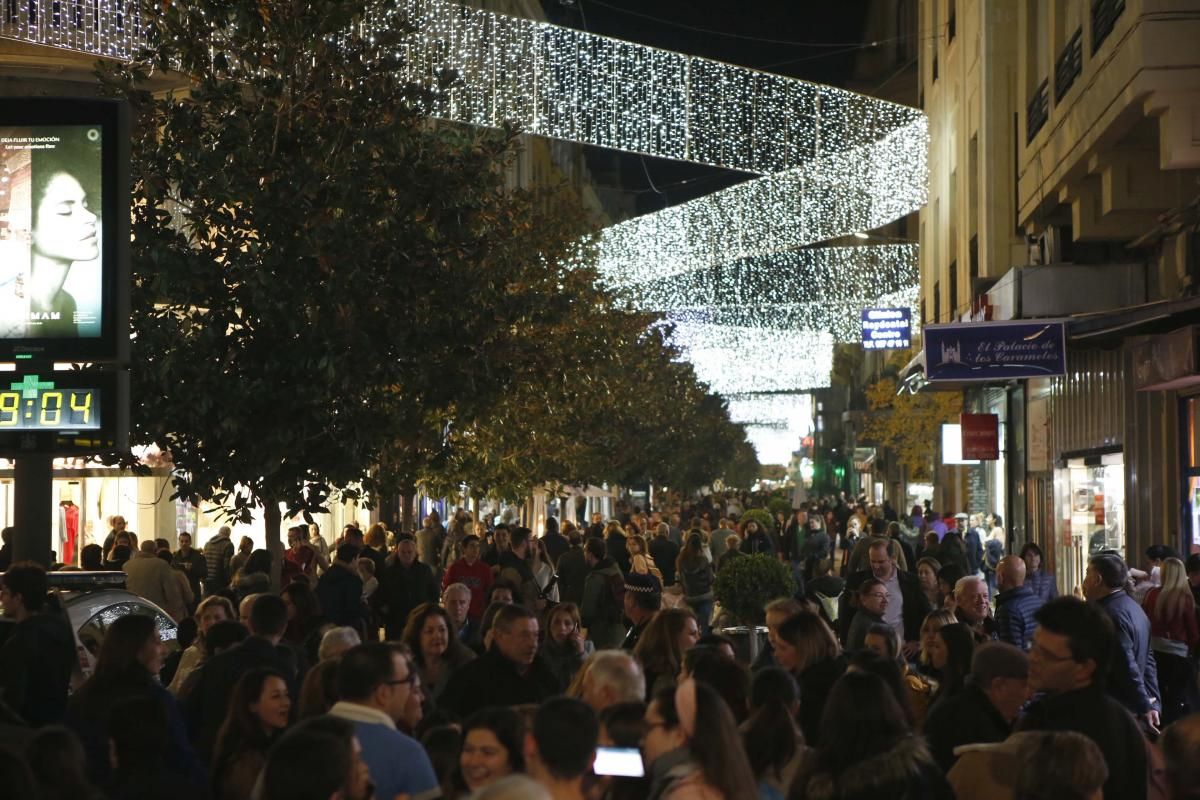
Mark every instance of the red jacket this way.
pixel 477 577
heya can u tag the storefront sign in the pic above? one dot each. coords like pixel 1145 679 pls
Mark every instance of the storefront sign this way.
pixel 886 328
pixel 1167 362
pixel 980 436
pixel 952 454
pixel 995 351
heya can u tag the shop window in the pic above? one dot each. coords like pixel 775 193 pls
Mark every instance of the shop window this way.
pixel 1090 500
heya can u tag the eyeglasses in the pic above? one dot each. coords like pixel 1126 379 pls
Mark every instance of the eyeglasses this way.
pixel 878 596
pixel 1046 655
pixel 412 677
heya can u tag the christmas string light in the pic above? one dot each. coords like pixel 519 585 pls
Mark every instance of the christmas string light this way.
pixel 736 360
pixel 833 196
pixel 775 423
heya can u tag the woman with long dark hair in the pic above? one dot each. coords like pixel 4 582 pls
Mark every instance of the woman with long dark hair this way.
pixel 695 573
pixel 258 714
pixel 771 738
pixel 670 634
pixel 255 577
pixel 127 666
pixel 692 747
pixel 950 654
pixel 806 647
pixel 305 621
pixel 436 651
pixel 868 750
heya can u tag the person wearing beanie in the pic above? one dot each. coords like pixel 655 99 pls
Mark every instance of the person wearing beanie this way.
pixel 643 599
pixel 984 711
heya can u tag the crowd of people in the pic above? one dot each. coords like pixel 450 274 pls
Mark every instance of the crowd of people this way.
pixel 919 657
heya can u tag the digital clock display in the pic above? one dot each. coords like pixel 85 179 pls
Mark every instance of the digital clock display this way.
pixel 34 404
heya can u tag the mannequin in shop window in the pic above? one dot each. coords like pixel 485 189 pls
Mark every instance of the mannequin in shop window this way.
pixel 68 523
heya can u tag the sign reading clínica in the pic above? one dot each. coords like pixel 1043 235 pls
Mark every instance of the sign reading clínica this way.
pixel 886 328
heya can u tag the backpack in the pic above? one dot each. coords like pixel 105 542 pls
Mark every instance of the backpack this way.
pixel 615 584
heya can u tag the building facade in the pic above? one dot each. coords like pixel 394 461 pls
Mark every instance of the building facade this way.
pixel 1065 144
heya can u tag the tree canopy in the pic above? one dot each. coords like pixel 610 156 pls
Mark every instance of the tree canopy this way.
pixel 331 291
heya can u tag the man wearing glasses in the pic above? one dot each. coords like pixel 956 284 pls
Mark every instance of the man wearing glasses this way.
pixel 374 682
pixel 1072 647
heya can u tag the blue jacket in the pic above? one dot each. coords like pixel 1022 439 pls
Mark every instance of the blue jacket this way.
pixel 1133 676
pixel 1042 584
pixel 1014 616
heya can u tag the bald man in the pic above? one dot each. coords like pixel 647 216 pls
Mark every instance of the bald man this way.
pixel 1015 604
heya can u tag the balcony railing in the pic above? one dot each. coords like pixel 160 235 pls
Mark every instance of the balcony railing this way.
pixel 109 28
pixel 1068 66
pixel 1104 18
pixel 1038 110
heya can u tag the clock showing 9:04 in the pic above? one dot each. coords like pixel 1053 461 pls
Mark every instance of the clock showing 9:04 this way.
pixel 32 404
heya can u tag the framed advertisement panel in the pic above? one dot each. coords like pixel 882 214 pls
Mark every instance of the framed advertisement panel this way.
pixel 64 230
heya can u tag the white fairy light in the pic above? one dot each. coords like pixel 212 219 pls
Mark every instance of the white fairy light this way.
pixel 813 289
pixel 834 163
pixel 775 423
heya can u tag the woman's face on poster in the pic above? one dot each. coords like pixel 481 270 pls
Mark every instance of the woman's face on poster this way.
pixel 65 227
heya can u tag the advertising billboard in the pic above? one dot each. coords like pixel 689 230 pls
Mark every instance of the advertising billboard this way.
pixel 886 328
pixel 64 229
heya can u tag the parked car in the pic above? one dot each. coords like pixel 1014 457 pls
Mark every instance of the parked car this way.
pixel 94 600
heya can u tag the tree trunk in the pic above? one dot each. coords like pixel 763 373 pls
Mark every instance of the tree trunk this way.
pixel 272 522
pixel 406 509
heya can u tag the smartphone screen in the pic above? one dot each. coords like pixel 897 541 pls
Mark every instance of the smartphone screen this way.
pixel 625 762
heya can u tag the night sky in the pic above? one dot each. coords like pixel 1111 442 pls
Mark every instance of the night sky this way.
pixel 816 40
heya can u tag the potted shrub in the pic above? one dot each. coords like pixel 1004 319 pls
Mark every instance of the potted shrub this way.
pixel 746 584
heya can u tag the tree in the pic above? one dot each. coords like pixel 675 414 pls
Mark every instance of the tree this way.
pixel 909 424
pixel 316 266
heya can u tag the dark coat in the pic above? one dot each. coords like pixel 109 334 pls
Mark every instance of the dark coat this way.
pixel 1014 616
pixel 758 542
pixel 207 703
pixel 555 544
pixel 615 547
pixel 815 684
pixel 339 591
pixel 906 772
pixel 664 552
pixel 35 668
pixel 914 604
pixel 964 718
pixel 1133 676
pixel 1103 720
pixel 493 680
pixel 401 589
pixel 572 572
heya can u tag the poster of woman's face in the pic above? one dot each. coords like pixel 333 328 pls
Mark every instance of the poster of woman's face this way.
pixel 51 248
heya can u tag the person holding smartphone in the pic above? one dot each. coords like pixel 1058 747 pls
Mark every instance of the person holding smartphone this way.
pixel 565 648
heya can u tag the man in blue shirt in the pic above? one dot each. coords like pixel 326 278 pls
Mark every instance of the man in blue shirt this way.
pixel 1015 604
pixel 374 682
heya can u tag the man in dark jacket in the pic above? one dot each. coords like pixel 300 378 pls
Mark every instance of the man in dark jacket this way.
pixel 207 705
pixel 617 549
pixel 406 584
pixel 190 562
pixel 509 674
pixel 984 711
pixel 1133 675
pixel 572 571
pixel 37 658
pixel 339 589
pixel 553 542
pixel 664 552
pixel 1067 663
pixel 1015 604
pixel 603 605
pixel 907 604
pixel 515 569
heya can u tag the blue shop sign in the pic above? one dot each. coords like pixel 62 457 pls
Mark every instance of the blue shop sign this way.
pixel 997 351
pixel 886 328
